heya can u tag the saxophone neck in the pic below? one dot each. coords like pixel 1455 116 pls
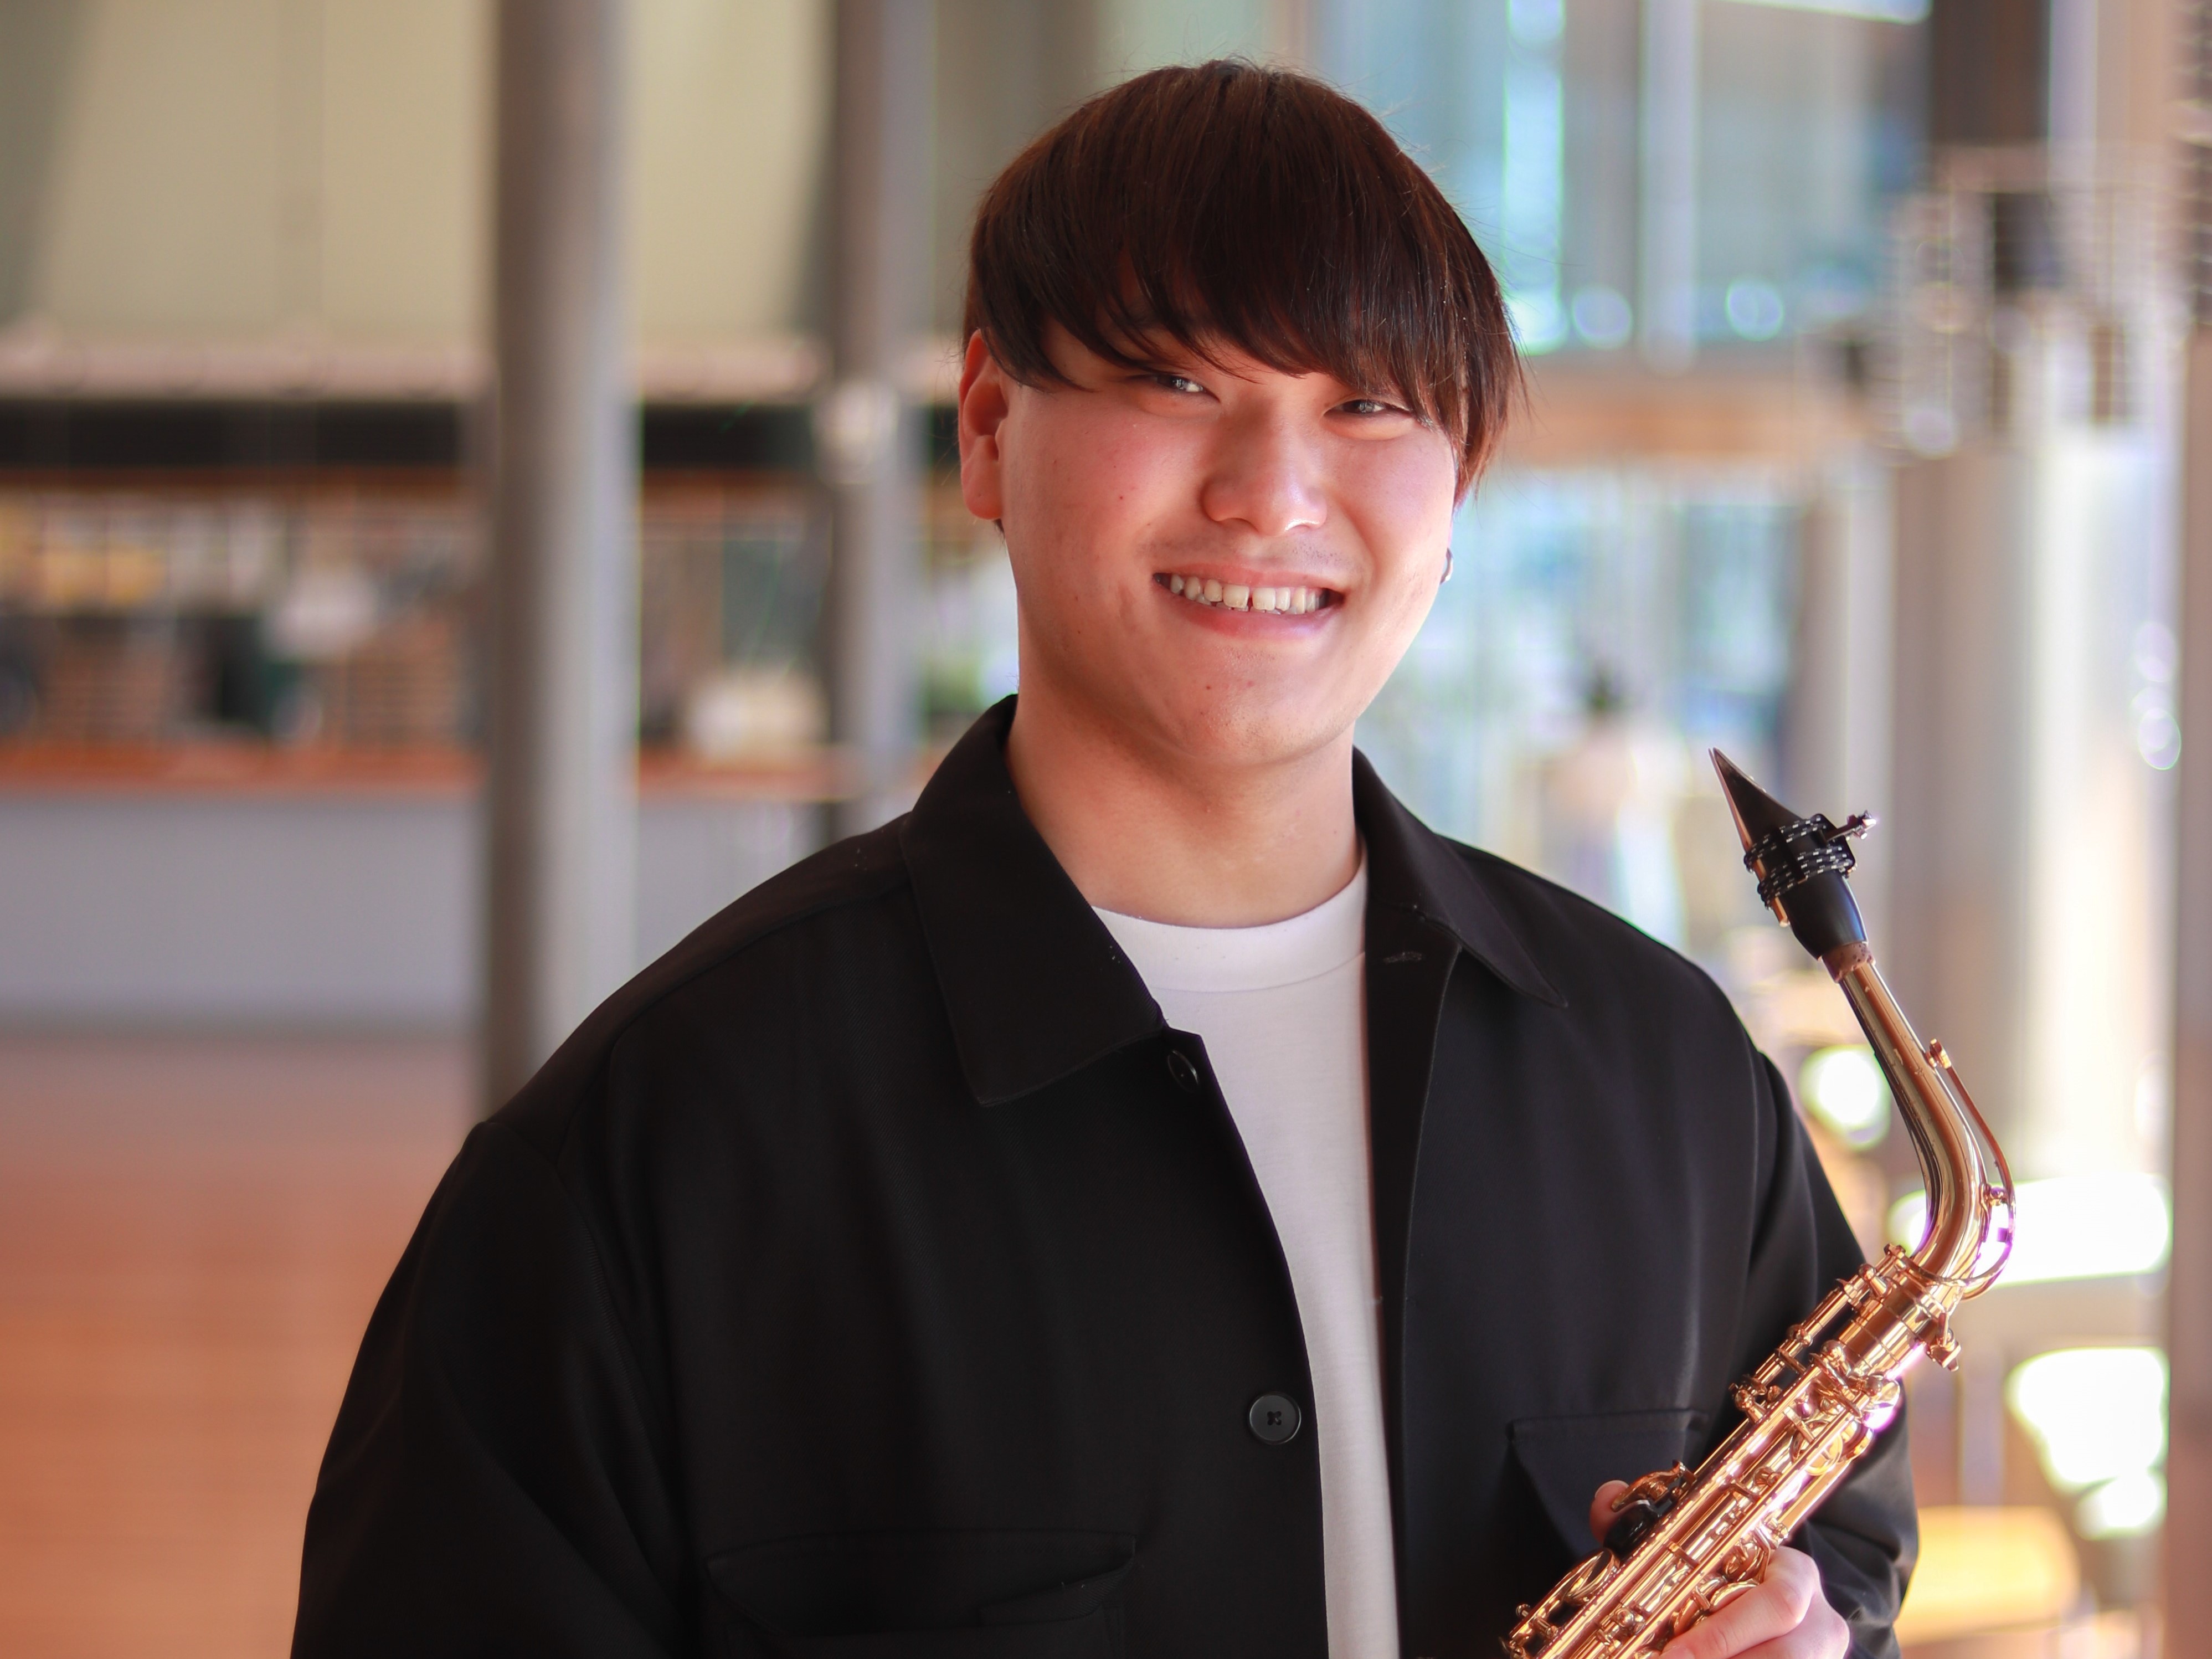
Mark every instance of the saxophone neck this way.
pixel 1803 866
pixel 1970 1197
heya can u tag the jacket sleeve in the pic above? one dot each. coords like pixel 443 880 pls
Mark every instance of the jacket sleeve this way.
pixel 1865 1537
pixel 493 1485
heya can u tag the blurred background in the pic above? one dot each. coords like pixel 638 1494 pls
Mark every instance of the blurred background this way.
pixel 477 495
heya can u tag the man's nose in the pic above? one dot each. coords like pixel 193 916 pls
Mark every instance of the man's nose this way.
pixel 1265 477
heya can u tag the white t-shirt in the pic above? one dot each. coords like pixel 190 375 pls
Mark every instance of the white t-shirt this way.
pixel 1283 1010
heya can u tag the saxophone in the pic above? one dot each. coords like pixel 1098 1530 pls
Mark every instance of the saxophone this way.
pixel 1687 1542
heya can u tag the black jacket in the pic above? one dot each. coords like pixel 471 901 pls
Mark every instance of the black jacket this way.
pixel 876 1275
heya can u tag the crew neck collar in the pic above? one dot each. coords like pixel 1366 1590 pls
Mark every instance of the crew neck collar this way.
pixel 1298 948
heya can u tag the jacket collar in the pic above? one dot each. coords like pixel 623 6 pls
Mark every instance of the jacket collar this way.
pixel 1034 983
pixel 1035 986
pixel 1411 868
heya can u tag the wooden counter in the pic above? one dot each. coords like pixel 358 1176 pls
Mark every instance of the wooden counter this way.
pixel 233 769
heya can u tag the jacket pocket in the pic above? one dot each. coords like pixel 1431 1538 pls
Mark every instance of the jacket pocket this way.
pixel 931 1595
pixel 1567 1459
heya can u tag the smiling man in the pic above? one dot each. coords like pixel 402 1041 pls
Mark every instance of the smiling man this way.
pixel 1157 1198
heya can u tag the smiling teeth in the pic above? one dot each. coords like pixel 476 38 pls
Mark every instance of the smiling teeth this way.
pixel 1236 595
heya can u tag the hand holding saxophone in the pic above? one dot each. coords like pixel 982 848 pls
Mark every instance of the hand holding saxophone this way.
pixel 1697 1563
pixel 1785 1616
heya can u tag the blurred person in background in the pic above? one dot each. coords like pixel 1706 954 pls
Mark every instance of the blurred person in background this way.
pixel 1155 1197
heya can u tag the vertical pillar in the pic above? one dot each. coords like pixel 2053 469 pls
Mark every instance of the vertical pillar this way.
pixel 2188 1613
pixel 1836 739
pixel 2189 1279
pixel 1068 66
pixel 1290 32
pixel 1956 834
pixel 1989 72
pixel 865 436
pixel 1668 213
pixel 1961 850
pixel 560 842
pixel 1981 1424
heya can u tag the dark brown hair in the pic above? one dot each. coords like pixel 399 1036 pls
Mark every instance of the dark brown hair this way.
pixel 1226 203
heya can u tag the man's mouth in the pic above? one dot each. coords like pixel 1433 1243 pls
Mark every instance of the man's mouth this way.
pixel 1242 596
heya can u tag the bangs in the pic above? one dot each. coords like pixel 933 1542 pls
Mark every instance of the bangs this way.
pixel 1227 206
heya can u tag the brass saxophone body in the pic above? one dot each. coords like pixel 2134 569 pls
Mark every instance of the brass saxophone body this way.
pixel 1690 1542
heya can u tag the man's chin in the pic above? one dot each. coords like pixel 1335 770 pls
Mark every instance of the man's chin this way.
pixel 1254 734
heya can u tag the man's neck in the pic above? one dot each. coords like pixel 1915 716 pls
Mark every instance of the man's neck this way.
pixel 1163 836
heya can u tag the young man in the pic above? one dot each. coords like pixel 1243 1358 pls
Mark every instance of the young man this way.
pixel 1157 1198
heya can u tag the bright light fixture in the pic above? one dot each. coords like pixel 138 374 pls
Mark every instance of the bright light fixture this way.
pixel 2126 1507
pixel 1843 1088
pixel 2097 1417
pixel 2071 1227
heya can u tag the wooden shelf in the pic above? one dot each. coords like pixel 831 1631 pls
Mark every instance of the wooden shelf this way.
pixel 233 769
pixel 221 768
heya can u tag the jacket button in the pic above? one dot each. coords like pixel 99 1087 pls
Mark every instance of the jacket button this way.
pixel 1274 1419
pixel 1181 1069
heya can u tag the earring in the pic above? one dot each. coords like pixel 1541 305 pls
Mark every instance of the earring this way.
pixel 1446 577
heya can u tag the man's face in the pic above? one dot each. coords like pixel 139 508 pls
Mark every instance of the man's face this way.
pixel 1224 562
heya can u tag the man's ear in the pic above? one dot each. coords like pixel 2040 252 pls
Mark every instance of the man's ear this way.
pixel 985 399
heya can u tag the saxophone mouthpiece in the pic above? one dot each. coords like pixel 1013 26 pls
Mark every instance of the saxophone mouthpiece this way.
pixel 1756 813
pixel 1802 863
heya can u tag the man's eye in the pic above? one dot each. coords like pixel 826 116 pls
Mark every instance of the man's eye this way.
pixel 1177 383
pixel 1370 406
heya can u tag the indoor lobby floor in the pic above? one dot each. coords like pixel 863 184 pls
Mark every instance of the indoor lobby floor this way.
pixel 193 1234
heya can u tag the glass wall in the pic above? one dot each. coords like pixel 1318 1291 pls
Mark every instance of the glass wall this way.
pixel 1602 628
pixel 1552 126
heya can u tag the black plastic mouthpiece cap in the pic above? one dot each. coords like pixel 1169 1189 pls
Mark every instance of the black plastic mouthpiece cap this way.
pixel 1802 864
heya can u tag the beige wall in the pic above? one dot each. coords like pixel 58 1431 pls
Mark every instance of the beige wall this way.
pixel 732 112
pixel 161 206
pixel 1008 69
pixel 405 171
pixel 214 171
pixel 219 169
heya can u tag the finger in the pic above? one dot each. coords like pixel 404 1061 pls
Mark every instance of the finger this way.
pixel 1602 1513
pixel 1786 1594
pixel 1751 1620
pixel 1773 1607
pixel 1822 1634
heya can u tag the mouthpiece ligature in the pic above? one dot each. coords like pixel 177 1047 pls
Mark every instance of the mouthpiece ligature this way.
pixel 1802 863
